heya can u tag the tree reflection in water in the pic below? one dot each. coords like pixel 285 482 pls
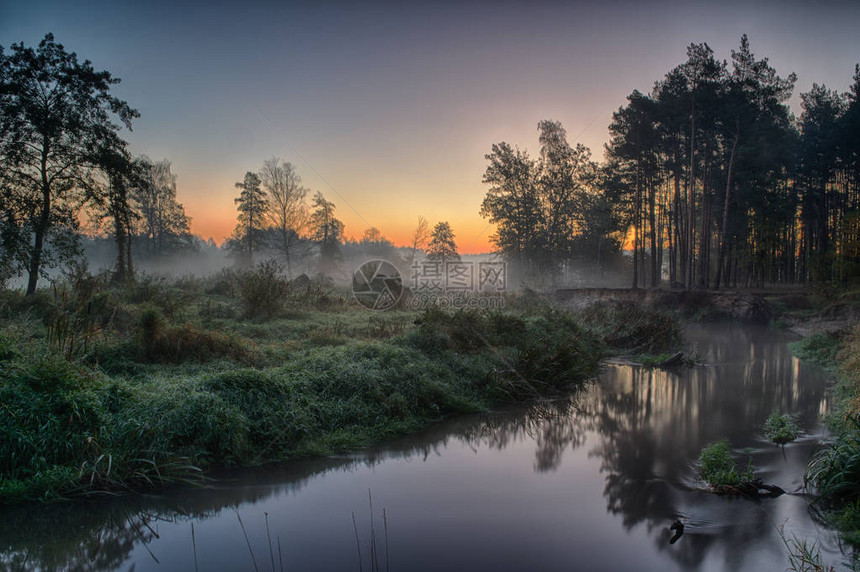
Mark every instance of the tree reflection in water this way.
pixel 652 425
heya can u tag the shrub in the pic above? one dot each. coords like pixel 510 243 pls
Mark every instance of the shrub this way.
pixel 50 414
pixel 155 291
pixel 847 521
pixel 224 283
pixel 718 468
pixel 157 341
pixel 471 330
pixel 821 349
pixel 151 326
pixel 263 290
pixel 835 468
pixel 215 310
pixel 781 429
pixel 9 342
pixel 535 355
pixel 628 326
pixel 74 322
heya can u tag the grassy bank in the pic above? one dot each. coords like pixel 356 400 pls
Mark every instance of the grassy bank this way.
pixel 105 388
pixel 835 468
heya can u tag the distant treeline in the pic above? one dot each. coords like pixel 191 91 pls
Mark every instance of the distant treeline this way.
pixel 708 181
pixel 68 183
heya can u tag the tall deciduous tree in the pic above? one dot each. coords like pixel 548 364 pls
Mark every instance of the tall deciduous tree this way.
pixel 540 206
pixel 163 225
pixel 288 212
pixel 54 110
pixel 513 204
pixel 564 173
pixel 115 204
pixel 419 237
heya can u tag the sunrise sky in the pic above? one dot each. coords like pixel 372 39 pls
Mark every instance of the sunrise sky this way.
pixel 389 108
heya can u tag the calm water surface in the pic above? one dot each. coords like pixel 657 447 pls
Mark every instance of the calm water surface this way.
pixel 589 482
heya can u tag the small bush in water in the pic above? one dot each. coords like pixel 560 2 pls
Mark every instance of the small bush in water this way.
pixel 719 468
pixel 781 429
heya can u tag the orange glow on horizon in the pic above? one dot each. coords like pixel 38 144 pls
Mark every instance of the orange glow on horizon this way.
pixel 469 240
pixel 213 216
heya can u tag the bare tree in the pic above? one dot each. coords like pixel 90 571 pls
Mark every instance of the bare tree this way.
pixel 164 226
pixel 372 234
pixel 420 236
pixel 288 212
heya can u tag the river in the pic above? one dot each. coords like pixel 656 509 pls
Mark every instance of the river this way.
pixel 588 482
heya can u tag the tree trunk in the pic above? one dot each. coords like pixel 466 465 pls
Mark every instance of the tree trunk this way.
pixel 724 233
pixel 705 236
pixel 119 231
pixel 691 199
pixel 128 254
pixel 652 222
pixel 41 227
pixel 636 218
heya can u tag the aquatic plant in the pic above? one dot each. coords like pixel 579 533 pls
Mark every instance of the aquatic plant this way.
pixel 718 467
pixel 803 556
pixel 781 429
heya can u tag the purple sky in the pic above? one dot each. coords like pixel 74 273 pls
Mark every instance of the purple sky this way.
pixel 389 108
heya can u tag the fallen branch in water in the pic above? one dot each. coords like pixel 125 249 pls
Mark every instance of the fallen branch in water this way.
pixel 754 488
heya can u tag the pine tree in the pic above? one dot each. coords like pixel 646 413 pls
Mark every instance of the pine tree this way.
pixel 442 247
pixel 252 207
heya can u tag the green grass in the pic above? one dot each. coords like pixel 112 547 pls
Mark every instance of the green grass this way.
pixel 781 429
pixel 819 349
pixel 834 470
pixel 633 329
pixel 718 467
pixel 163 391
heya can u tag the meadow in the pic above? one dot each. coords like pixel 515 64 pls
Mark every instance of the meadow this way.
pixel 112 388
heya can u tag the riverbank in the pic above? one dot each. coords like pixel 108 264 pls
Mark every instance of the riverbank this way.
pixel 108 389
pixel 612 459
pixel 835 469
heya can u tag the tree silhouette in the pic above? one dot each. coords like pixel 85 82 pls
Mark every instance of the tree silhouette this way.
pixel 442 246
pixel 54 110
pixel 288 212
pixel 252 205
pixel 164 227
pixel 327 232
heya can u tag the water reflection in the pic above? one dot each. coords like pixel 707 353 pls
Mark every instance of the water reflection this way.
pixel 628 441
